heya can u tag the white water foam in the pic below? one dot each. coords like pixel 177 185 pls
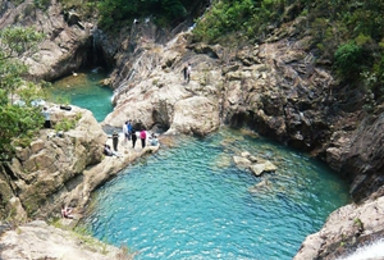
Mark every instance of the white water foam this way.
pixel 372 251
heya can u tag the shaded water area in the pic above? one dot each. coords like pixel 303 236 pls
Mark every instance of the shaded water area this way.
pixel 84 90
pixel 190 201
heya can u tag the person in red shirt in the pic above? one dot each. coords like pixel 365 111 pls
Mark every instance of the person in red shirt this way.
pixel 143 136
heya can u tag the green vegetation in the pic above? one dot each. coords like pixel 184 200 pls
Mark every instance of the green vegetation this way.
pixel 18 122
pixel 42 4
pixel 164 11
pixel 67 124
pixel 248 18
pixel 348 34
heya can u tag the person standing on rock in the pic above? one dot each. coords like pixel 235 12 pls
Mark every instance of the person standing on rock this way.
pixel 143 136
pixel 47 116
pixel 134 138
pixel 130 129
pixel 187 72
pixel 115 140
pixel 125 132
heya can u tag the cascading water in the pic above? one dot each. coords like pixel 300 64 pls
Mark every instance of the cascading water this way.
pixel 374 250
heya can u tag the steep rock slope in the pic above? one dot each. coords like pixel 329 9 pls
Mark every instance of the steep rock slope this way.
pixel 67 42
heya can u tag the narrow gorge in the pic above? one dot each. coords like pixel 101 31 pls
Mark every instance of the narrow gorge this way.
pixel 279 87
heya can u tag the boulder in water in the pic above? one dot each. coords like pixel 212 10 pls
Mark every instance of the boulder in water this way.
pixel 259 168
pixel 256 164
pixel 242 162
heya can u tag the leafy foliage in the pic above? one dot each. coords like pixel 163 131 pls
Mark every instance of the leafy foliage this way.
pixel 18 123
pixel 66 124
pixel 165 11
pixel 348 33
pixel 17 126
pixel 348 59
pixel 249 17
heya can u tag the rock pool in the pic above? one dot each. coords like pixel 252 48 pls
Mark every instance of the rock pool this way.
pixel 84 90
pixel 190 201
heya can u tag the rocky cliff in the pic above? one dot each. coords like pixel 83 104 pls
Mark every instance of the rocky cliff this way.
pixel 68 42
pixel 60 168
pixel 41 175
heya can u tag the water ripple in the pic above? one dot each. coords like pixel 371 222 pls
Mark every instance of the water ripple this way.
pixel 185 203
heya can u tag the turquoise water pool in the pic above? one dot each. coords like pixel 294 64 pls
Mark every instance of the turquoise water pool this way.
pixel 189 201
pixel 84 90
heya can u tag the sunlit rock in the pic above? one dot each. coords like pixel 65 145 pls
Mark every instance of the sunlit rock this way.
pixel 37 240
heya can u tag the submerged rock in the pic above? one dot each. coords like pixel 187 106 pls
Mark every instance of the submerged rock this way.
pixel 261 185
pixel 262 167
pixel 241 162
pixel 253 163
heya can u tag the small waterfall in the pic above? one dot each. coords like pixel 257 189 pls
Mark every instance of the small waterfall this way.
pixel 373 250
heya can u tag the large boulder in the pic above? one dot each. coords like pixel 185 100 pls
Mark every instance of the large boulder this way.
pixel 196 115
pixel 40 173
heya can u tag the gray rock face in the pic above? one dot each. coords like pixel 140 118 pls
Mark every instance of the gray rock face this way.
pixel 274 88
pixel 345 229
pixel 67 40
pixel 49 168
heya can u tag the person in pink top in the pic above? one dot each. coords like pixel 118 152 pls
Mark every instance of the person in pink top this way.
pixel 143 136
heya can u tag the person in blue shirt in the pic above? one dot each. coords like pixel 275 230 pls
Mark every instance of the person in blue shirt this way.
pixel 130 129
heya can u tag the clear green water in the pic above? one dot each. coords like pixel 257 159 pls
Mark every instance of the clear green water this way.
pixel 84 90
pixel 191 202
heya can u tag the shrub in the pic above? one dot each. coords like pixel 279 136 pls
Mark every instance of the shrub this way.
pixel 66 124
pixel 348 59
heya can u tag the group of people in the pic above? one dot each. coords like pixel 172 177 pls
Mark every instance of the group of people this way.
pixel 130 133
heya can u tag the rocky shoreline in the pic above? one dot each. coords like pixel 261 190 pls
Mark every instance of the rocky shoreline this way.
pixel 275 88
pixel 57 170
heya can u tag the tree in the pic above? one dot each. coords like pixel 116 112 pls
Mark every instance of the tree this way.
pixel 17 123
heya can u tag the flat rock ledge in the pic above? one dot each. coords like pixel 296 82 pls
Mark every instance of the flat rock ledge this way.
pixel 38 240
pixel 110 166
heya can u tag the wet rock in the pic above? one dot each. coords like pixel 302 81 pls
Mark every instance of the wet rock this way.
pixel 253 163
pixel 262 167
pixel 242 162
pixel 261 185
